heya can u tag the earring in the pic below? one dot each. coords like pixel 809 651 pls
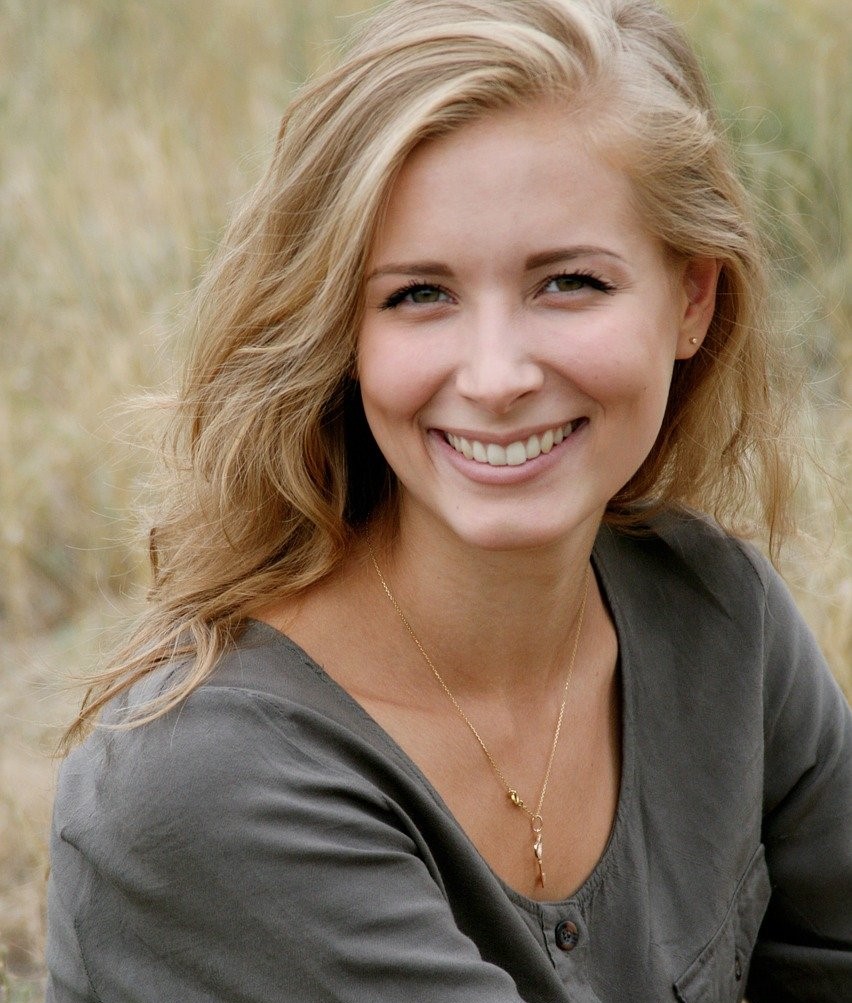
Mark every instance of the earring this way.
pixel 693 341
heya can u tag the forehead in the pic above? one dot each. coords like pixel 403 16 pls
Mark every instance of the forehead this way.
pixel 530 175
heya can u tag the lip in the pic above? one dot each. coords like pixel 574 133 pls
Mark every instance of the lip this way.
pixel 504 438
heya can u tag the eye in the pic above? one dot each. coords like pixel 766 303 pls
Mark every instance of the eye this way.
pixel 416 293
pixel 575 282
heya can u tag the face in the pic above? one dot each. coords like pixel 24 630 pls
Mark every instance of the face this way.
pixel 519 333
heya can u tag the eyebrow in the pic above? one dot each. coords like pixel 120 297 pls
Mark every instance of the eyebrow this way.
pixel 534 261
pixel 412 268
pixel 544 258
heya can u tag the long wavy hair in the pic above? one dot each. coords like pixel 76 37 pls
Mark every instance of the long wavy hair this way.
pixel 272 470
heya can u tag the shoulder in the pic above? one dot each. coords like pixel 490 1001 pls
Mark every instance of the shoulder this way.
pixel 267 734
pixel 710 607
pixel 685 561
pixel 710 613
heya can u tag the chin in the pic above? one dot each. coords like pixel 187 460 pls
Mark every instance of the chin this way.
pixel 508 535
pixel 498 525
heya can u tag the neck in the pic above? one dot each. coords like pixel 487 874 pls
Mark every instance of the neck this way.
pixel 488 618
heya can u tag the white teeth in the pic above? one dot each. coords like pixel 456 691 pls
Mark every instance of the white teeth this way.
pixel 496 455
pixel 516 453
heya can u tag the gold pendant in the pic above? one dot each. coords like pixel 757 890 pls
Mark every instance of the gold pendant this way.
pixel 537 851
pixel 537 825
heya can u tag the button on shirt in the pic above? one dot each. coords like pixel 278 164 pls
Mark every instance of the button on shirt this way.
pixel 567 935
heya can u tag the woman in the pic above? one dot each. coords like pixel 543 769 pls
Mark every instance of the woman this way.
pixel 446 690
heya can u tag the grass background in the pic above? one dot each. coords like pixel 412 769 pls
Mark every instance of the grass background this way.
pixel 129 128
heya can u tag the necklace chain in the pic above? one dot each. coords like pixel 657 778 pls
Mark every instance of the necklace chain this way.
pixel 536 821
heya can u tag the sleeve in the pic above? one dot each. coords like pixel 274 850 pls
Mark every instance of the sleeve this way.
pixel 241 868
pixel 804 950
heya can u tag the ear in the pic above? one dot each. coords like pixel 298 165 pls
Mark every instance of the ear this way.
pixel 697 287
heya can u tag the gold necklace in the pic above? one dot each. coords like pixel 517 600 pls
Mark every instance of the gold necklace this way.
pixel 536 821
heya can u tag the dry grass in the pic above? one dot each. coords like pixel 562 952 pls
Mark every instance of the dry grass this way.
pixel 128 130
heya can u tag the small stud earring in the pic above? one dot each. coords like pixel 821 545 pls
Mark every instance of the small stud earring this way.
pixel 693 341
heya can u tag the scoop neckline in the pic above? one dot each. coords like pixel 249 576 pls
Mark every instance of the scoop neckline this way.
pixel 625 792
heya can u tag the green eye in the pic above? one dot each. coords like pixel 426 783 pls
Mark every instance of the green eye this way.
pixel 425 294
pixel 576 282
pixel 416 293
pixel 567 283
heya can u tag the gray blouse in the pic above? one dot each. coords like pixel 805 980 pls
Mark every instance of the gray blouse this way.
pixel 268 841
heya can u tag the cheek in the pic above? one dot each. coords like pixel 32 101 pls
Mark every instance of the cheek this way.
pixel 630 378
pixel 628 364
pixel 395 374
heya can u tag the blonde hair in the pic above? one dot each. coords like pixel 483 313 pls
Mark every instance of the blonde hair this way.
pixel 273 470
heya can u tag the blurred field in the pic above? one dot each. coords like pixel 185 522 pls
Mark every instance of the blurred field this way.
pixel 128 129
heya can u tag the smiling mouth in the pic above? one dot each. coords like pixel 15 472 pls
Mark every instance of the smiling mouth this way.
pixel 515 453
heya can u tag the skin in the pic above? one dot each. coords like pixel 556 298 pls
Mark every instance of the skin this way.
pixel 512 289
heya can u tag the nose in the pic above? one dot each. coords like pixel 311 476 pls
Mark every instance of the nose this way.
pixel 497 367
